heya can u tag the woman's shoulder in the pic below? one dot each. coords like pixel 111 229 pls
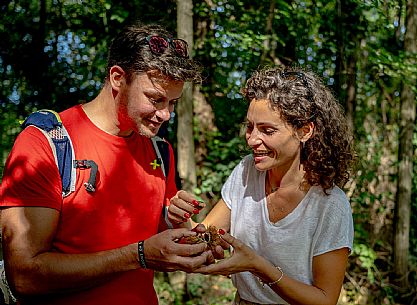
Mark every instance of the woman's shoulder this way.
pixel 244 164
pixel 244 171
pixel 247 160
pixel 333 198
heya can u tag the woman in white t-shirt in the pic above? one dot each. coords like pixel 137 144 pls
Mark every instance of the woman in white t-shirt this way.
pixel 290 224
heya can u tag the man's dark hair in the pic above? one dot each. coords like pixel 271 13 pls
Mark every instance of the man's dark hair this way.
pixel 130 50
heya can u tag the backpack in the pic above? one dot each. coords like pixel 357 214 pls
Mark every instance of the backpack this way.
pixel 50 124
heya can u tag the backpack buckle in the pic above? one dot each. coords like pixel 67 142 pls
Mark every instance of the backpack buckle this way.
pixel 90 186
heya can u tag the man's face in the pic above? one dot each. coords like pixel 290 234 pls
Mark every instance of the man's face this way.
pixel 146 102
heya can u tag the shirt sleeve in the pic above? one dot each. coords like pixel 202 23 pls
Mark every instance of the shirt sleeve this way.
pixel 31 177
pixel 231 187
pixel 335 229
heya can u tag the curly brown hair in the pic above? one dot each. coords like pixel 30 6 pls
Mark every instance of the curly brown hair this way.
pixel 300 97
pixel 130 50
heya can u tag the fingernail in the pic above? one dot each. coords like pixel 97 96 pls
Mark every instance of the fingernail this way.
pixel 182 240
pixel 221 232
pixel 196 211
pixel 195 203
pixel 187 215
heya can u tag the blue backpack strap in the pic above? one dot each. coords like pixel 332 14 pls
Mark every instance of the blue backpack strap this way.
pixel 50 124
pixel 161 148
pixel 162 153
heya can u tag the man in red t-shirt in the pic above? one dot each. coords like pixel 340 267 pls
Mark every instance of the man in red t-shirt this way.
pixel 83 248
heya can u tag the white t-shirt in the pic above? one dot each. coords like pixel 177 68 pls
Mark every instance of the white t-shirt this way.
pixel 319 224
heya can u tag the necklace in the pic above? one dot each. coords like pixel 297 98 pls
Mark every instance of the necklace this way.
pixel 270 193
pixel 273 207
pixel 271 188
pixel 273 199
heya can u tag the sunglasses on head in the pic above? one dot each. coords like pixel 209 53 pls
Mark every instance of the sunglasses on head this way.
pixel 159 44
pixel 296 75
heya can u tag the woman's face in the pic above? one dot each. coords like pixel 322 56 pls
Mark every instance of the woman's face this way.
pixel 274 143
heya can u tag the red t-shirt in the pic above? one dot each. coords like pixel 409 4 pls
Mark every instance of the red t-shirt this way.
pixel 126 206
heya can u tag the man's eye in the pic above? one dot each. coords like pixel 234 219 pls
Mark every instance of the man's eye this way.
pixel 155 101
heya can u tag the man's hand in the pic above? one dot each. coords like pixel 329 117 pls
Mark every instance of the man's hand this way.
pixel 164 253
pixel 210 236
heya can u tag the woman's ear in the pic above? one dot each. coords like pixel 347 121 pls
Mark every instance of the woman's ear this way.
pixel 305 132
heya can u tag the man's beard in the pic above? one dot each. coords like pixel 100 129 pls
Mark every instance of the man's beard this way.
pixel 146 132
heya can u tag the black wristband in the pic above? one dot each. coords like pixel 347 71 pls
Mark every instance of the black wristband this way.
pixel 141 254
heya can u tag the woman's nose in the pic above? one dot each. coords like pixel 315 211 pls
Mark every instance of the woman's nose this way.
pixel 252 138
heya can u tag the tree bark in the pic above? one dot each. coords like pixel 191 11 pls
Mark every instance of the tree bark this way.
pixel 405 157
pixel 186 166
pixel 185 147
pixel 346 59
pixel 269 43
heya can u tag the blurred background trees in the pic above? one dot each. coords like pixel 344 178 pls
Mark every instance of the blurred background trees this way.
pixel 53 55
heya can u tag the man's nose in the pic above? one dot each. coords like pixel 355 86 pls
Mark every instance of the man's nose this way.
pixel 164 114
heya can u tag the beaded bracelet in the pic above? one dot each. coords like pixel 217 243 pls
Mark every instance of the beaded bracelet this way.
pixel 141 255
pixel 274 282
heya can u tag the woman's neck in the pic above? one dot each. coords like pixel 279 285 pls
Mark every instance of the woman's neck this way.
pixel 278 180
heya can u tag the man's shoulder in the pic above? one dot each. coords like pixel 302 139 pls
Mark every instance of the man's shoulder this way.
pixel 70 114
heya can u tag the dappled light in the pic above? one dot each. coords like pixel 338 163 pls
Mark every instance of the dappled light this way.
pixel 53 55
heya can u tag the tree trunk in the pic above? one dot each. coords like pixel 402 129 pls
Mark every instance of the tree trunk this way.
pixel 270 44
pixel 185 146
pixel 405 157
pixel 185 137
pixel 346 59
pixel 350 101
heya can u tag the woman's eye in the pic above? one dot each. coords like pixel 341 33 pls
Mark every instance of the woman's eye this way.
pixel 269 131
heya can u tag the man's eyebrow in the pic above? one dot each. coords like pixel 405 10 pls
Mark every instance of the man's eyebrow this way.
pixel 176 99
pixel 153 91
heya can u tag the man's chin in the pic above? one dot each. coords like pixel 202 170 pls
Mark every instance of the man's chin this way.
pixel 148 132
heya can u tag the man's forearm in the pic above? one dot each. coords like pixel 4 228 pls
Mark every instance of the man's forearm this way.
pixel 51 272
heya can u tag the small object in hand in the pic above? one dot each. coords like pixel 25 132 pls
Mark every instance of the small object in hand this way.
pixel 197 204
pixel 211 237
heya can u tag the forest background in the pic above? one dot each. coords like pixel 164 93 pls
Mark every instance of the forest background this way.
pixel 53 55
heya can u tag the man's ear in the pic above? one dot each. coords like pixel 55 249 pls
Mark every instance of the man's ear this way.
pixel 117 77
pixel 305 132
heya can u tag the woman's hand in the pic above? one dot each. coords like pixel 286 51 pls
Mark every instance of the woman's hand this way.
pixel 328 273
pixel 182 206
pixel 242 258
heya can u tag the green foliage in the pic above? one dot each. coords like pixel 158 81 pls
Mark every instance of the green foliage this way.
pixel 199 290
pixel 366 257
pixel 54 56
pixel 213 290
pixel 221 159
